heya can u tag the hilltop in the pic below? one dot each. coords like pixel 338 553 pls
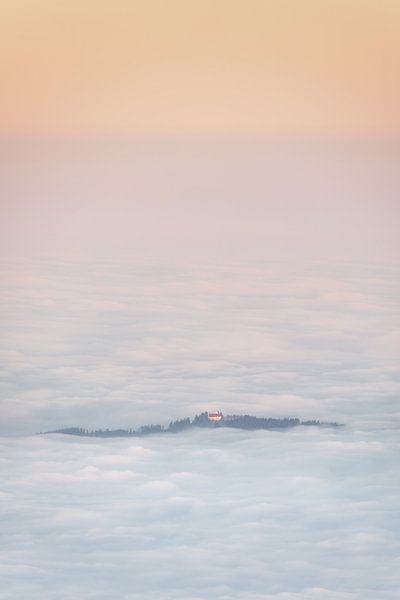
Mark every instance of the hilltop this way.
pixel 206 420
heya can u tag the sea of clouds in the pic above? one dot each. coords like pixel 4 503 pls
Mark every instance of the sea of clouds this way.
pixel 113 344
pixel 306 514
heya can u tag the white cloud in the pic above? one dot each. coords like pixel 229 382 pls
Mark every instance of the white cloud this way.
pixel 213 515
pixel 165 343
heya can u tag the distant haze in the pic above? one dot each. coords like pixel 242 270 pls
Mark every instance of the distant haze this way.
pixel 179 199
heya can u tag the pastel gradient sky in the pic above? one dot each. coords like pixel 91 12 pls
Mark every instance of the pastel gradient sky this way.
pixel 77 67
pixel 215 130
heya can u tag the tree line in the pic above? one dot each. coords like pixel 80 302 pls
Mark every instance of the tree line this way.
pixel 248 422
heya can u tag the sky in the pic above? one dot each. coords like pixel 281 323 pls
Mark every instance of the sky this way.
pixel 200 130
pixel 199 211
pixel 82 67
pixel 186 201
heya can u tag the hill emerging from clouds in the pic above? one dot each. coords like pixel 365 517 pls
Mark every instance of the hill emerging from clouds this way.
pixel 204 419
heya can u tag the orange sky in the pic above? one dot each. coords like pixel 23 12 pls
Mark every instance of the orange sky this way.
pixel 209 66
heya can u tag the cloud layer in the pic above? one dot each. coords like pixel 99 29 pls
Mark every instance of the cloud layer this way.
pixel 204 515
pixel 207 515
pixel 111 344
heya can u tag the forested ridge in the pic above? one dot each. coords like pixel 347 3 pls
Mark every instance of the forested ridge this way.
pixel 248 422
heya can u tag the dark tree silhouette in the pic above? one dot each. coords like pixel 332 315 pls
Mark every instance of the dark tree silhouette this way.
pixel 201 420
